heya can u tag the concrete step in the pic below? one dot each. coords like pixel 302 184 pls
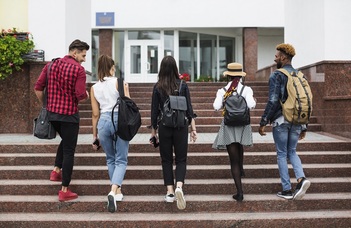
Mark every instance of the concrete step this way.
pixel 203 158
pixel 258 203
pixel 256 86
pixel 196 93
pixel 147 106
pixel 301 218
pixel 262 145
pixel 204 118
pixel 156 186
pixel 205 128
pixel 193 171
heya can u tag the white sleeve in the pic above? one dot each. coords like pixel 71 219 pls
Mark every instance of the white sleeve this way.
pixel 218 103
pixel 248 94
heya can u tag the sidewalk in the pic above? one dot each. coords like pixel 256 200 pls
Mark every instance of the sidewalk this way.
pixel 144 138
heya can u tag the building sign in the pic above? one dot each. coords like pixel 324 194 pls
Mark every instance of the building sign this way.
pixel 105 19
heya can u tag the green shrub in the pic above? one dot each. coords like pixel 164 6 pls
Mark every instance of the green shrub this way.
pixel 13 46
pixel 204 78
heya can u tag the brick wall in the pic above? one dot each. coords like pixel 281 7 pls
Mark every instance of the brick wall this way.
pixel 330 82
pixel 19 105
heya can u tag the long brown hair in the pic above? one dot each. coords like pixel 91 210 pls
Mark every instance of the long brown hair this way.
pixel 105 64
pixel 167 76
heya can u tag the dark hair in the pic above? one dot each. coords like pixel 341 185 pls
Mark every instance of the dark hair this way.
pixel 79 45
pixel 168 76
pixel 105 64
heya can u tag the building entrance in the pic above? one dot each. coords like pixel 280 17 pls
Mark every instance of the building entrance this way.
pixel 143 59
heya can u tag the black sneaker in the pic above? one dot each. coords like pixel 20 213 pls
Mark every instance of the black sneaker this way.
pixel 301 188
pixel 285 194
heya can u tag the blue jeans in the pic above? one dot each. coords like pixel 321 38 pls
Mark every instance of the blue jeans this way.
pixel 116 151
pixel 286 137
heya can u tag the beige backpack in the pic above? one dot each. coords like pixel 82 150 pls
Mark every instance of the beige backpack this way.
pixel 297 108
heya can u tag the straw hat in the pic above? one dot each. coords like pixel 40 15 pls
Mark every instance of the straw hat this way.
pixel 235 69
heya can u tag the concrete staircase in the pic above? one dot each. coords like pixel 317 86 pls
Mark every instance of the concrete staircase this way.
pixel 202 97
pixel 29 199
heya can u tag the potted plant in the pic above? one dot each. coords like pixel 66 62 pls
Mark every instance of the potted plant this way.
pixel 13 45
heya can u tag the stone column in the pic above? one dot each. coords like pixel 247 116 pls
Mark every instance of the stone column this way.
pixel 105 41
pixel 250 42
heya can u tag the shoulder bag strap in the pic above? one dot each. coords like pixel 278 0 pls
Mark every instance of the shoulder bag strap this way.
pixel 46 82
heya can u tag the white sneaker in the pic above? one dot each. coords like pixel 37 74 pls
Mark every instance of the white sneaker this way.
pixel 119 197
pixel 111 202
pixel 169 198
pixel 181 203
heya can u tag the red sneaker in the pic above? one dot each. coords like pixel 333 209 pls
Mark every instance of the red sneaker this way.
pixel 55 176
pixel 65 196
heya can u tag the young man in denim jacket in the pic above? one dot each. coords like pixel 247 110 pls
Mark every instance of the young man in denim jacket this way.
pixel 285 134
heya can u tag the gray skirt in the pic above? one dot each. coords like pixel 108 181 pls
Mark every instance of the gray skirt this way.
pixel 228 135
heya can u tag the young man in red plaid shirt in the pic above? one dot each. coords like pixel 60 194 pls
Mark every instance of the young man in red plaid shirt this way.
pixel 66 87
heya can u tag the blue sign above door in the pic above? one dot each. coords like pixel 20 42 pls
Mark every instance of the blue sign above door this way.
pixel 105 19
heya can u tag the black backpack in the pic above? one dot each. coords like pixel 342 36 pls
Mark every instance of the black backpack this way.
pixel 174 111
pixel 129 118
pixel 236 111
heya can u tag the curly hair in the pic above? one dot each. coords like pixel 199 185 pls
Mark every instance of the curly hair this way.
pixel 288 49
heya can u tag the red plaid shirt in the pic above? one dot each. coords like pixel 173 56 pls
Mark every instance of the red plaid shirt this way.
pixel 66 85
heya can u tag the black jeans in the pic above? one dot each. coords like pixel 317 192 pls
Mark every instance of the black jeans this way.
pixel 65 151
pixel 178 139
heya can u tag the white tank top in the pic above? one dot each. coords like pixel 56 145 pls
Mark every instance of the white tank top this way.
pixel 106 94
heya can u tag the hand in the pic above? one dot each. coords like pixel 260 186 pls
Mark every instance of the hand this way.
pixel 154 140
pixel 261 130
pixel 96 144
pixel 302 135
pixel 193 136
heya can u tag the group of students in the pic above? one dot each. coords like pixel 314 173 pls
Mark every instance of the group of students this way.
pixel 66 83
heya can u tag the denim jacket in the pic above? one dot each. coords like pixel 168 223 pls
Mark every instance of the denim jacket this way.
pixel 277 93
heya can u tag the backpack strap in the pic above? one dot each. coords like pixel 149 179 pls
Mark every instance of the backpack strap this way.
pixel 121 94
pixel 242 89
pixel 284 71
pixel 180 86
pixel 299 73
pixel 120 87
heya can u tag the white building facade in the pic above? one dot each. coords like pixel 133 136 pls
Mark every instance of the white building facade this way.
pixel 203 36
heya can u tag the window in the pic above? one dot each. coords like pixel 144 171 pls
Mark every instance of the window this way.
pixel 187 54
pixel 169 43
pixel 119 52
pixel 208 56
pixel 144 35
pixel 226 53
pixel 94 54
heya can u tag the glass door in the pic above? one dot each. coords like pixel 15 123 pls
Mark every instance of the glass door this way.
pixel 142 60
